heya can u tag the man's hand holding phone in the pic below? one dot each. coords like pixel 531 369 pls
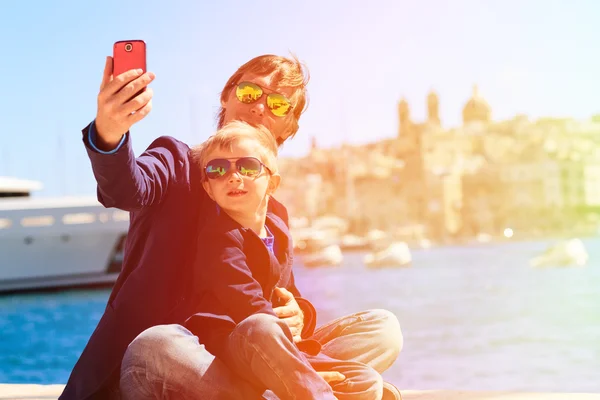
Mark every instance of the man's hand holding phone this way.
pixel 121 103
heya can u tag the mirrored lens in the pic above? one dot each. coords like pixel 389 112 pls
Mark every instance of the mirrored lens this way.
pixel 248 166
pixel 278 104
pixel 247 92
pixel 217 168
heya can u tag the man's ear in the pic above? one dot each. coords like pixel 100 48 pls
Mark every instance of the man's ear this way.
pixel 291 127
pixel 208 189
pixel 229 90
pixel 274 182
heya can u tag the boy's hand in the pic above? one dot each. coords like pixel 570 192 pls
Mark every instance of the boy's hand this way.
pixel 332 377
pixel 290 312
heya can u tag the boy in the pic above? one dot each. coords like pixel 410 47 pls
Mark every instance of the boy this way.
pixel 245 257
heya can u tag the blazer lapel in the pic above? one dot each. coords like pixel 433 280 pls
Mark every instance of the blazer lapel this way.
pixel 283 242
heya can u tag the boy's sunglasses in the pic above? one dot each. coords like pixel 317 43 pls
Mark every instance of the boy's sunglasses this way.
pixel 246 166
pixel 248 93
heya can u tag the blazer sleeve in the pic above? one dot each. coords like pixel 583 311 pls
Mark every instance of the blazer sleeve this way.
pixel 308 310
pixel 223 272
pixel 131 183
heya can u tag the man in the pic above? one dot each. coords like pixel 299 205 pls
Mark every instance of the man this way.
pixel 139 348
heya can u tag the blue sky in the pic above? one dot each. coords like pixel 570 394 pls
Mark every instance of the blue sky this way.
pixel 534 57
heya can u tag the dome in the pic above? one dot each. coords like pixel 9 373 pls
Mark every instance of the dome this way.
pixel 476 109
pixel 433 112
pixel 432 97
pixel 403 109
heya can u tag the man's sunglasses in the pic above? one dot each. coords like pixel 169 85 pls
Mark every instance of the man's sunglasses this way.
pixel 248 93
pixel 246 166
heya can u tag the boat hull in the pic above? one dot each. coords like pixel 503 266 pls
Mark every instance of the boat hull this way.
pixel 56 245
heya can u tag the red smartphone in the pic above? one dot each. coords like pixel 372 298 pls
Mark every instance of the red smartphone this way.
pixel 127 55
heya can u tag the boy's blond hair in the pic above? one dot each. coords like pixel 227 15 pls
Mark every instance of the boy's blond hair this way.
pixel 229 134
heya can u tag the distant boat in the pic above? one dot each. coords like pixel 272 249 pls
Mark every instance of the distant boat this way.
pixel 569 253
pixel 57 242
pixel 395 255
pixel 354 243
pixel 375 236
pixel 309 240
pixel 329 256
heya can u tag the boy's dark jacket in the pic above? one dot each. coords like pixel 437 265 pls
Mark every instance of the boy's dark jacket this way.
pixel 162 190
pixel 235 277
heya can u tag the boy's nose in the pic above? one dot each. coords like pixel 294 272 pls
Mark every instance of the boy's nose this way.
pixel 235 176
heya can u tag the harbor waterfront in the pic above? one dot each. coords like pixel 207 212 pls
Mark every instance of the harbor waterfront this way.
pixel 473 318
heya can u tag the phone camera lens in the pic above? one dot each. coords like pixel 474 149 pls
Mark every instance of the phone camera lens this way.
pixel 128 47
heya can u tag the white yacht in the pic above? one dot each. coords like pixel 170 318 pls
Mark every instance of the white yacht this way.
pixel 56 242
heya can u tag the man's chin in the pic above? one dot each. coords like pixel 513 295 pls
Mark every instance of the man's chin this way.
pixel 247 119
pixel 255 123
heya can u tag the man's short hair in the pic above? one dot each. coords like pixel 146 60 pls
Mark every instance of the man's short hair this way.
pixel 230 134
pixel 290 72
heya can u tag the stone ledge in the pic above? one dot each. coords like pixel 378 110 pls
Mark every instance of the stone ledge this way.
pixel 476 395
pixel 30 392
pixel 51 392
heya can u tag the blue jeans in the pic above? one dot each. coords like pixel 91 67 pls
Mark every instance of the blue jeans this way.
pixel 168 362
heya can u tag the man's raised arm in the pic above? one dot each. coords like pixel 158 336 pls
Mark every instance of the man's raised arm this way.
pixel 123 181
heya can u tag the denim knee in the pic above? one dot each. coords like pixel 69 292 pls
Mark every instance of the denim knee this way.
pixel 259 326
pixel 365 381
pixel 376 390
pixel 157 341
pixel 389 334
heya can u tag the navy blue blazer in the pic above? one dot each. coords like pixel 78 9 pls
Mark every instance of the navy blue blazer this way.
pixel 162 190
pixel 235 276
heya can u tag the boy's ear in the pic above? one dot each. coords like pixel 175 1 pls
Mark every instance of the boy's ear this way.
pixel 274 182
pixel 208 189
